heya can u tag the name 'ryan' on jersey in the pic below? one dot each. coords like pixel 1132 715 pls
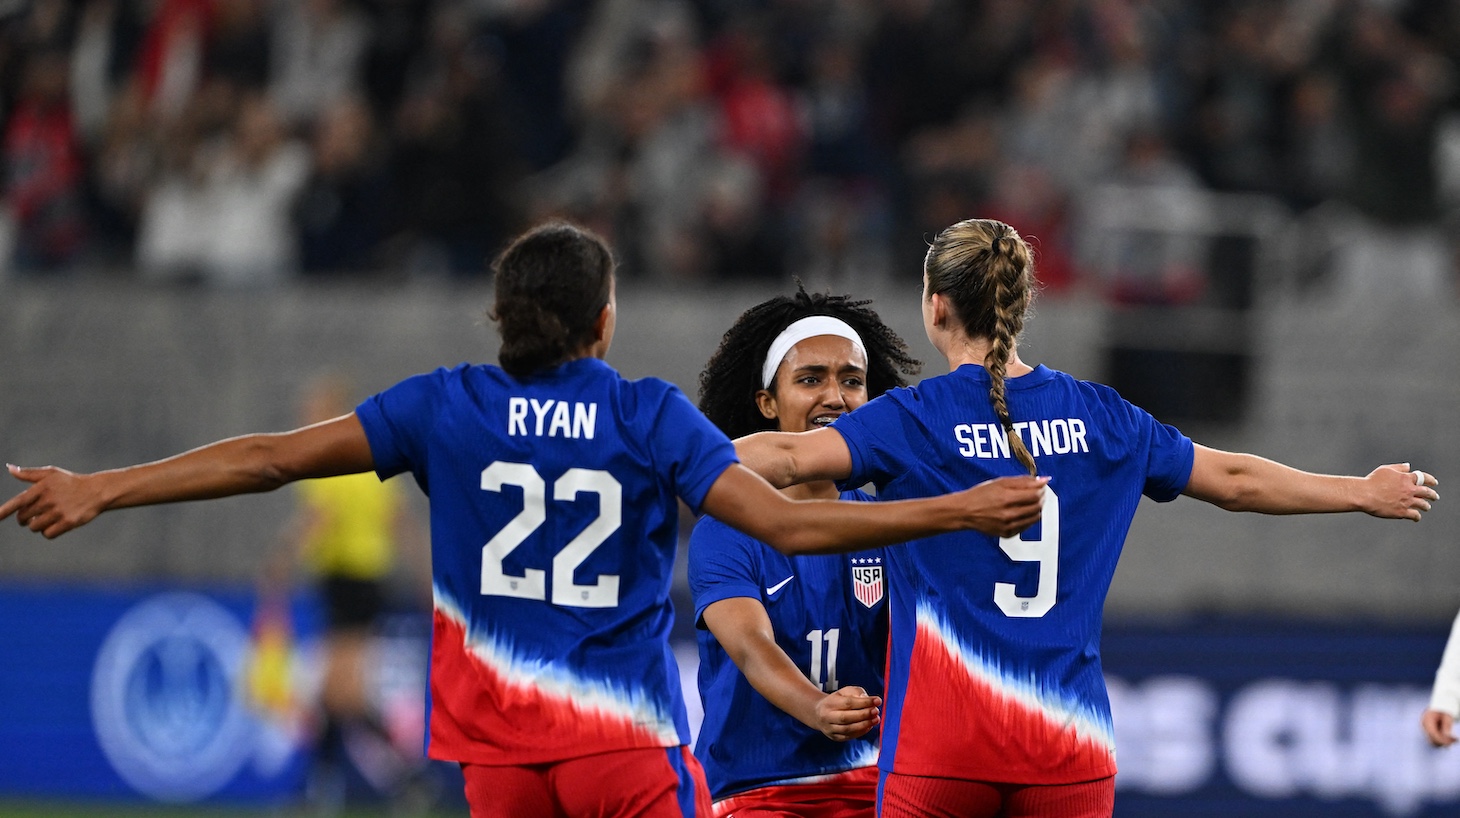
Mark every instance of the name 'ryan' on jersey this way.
pixel 554 525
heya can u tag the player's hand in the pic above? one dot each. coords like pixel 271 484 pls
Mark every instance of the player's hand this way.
pixel 1398 493
pixel 848 713
pixel 57 502
pixel 1438 726
pixel 1004 506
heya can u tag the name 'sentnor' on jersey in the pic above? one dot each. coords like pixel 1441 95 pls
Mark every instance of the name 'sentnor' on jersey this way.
pixel 551 418
pixel 987 441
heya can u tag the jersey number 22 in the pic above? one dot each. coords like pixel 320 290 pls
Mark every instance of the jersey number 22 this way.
pixel 603 593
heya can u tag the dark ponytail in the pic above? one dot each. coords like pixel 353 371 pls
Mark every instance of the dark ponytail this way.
pixel 551 284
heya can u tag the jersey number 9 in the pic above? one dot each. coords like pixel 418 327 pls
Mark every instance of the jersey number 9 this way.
pixel 1045 551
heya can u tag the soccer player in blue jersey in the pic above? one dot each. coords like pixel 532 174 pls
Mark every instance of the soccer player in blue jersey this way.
pixel 995 702
pixel 554 486
pixel 792 648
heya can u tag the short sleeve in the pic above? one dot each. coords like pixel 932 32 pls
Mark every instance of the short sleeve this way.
pixel 876 434
pixel 723 564
pixel 398 420
pixel 690 447
pixel 1168 461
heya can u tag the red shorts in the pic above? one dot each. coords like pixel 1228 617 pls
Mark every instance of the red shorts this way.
pixel 852 794
pixel 916 796
pixel 664 782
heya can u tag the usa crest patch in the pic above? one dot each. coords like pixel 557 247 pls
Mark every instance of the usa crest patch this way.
pixel 867 582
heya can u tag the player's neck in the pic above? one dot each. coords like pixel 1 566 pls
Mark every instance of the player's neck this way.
pixel 976 351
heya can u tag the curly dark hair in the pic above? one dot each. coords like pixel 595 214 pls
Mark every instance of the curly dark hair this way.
pixel 551 284
pixel 733 375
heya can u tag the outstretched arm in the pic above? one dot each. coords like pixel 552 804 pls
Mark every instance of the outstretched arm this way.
pixel 1002 507
pixel 1245 482
pixel 791 458
pixel 59 500
pixel 743 628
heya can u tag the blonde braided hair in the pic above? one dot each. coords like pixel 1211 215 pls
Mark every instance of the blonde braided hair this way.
pixel 986 270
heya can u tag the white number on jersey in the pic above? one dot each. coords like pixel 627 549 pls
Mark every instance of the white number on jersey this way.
pixel 830 638
pixel 533 583
pixel 1045 551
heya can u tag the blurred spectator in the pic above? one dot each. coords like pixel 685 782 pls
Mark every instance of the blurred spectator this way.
pixel 1026 195
pixel 842 231
pixel 173 219
pixel 43 169
pixel 253 180
pixel 757 113
pixel 222 210
pixel 1039 126
pixel 1231 136
pixel 1155 258
pixel 736 238
pixel 1397 88
pixel 994 41
pixel 239 53
pixel 840 215
pixel 914 77
pixel 534 41
pixel 836 116
pixel 318 48
pixel 398 34
pixel 127 157
pixel 1317 144
pixel 91 67
pixel 722 138
pixel 948 170
pixel 643 170
pixel 342 211
pixel 456 170
pixel 170 63
pixel 1118 98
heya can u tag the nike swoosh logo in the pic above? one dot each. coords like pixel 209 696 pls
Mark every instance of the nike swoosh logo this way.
pixel 771 591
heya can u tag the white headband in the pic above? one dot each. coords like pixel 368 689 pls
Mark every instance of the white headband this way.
pixel 808 327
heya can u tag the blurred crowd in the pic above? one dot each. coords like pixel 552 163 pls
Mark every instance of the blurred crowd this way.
pixel 244 142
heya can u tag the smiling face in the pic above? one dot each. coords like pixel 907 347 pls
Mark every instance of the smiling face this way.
pixel 819 380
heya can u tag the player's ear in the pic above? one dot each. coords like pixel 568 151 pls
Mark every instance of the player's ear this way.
pixel 766 403
pixel 603 324
pixel 939 306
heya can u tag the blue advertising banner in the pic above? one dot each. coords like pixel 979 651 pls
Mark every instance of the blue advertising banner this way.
pixel 1272 719
pixel 186 695
pixel 139 694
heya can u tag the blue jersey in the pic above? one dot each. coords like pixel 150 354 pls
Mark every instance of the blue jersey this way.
pixel 554 525
pixel 827 612
pixel 994 666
